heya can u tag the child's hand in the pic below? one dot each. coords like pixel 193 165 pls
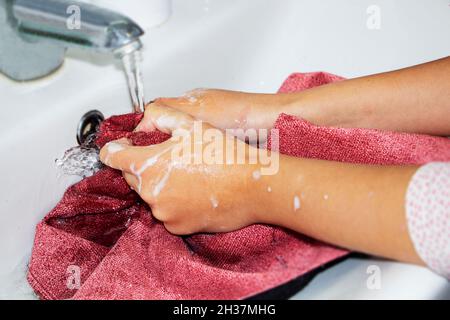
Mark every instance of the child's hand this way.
pixel 189 196
pixel 230 109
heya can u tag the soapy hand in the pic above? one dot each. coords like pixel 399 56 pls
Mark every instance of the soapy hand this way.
pixel 230 109
pixel 188 187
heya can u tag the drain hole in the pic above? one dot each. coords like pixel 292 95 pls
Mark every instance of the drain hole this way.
pixel 88 127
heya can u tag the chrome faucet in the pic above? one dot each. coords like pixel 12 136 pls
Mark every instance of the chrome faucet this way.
pixel 34 34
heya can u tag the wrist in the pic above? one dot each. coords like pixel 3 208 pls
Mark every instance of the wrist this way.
pixel 266 108
pixel 272 194
pixel 307 105
pixel 329 105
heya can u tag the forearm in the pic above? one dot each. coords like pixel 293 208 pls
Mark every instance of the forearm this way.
pixel 414 99
pixel 358 207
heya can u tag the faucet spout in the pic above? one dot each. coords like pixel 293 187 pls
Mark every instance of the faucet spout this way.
pixel 36 33
pixel 72 23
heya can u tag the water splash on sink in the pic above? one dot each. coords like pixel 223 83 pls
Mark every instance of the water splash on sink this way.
pixel 131 64
pixel 82 161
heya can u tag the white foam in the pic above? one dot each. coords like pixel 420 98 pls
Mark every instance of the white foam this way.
pixel 214 202
pixel 138 176
pixel 150 162
pixel 269 189
pixel 326 197
pixel 166 122
pixel 296 203
pixel 257 175
pixel 161 184
pixel 114 147
pixel 147 164
pixel 192 99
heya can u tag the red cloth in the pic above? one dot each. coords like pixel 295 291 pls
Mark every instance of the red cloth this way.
pixel 102 227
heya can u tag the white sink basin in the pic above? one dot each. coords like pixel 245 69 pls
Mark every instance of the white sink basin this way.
pixel 249 45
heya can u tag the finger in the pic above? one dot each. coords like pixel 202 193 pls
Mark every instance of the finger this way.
pixel 132 181
pixel 189 99
pixel 119 154
pixel 111 148
pixel 158 214
pixel 165 119
pixel 177 229
pixel 183 104
pixel 146 124
pixel 191 102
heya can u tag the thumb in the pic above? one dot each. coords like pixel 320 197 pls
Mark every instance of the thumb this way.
pixel 118 154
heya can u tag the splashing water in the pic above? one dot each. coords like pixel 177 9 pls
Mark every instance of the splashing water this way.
pixel 131 64
pixel 82 161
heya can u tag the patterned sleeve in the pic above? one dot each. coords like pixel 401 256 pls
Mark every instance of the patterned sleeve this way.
pixel 428 215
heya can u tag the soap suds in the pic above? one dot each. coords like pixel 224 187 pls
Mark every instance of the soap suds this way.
pixel 325 197
pixel 150 162
pixel 167 122
pixel 214 202
pixel 257 175
pixel 192 99
pixel 269 189
pixel 138 176
pixel 161 184
pixel 147 164
pixel 114 147
pixel 241 123
pixel 296 203
pixel 194 95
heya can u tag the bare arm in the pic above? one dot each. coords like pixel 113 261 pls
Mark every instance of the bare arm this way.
pixel 415 99
pixel 358 207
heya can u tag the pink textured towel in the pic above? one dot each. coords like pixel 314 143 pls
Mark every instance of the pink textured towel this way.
pixel 300 138
pixel 103 230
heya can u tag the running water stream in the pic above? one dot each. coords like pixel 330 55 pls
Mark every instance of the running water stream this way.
pixel 132 67
pixel 83 161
